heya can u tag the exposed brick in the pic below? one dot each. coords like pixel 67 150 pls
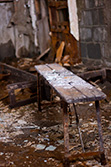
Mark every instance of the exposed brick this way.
pixel 88 18
pixel 89 3
pixel 101 2
pixel 94 51
pixel 99 34
pixel 86 34
pixel 82 19
pixel 101 17
pixel 7 50
pixel 83 50
pixel 96 3
pixel 95 17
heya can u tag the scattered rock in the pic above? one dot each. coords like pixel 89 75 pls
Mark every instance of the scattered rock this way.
pixel 50 148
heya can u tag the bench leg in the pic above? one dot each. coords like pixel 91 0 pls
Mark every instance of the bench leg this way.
pixel 38 92
pixel 77 122
pixel 66 133
pixel 103 160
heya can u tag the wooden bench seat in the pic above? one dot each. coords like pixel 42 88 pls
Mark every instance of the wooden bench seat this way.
pixel 71 89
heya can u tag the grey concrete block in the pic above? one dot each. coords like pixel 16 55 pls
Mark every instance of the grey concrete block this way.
pixel 82 19
pixel 88 18
pixel 95 17
pixel 83 50
pixel 99 3
pixel 101 17
pixel 89 3
pixel 94 51
pixel 7 50
pixel 86 34
pixel 99 34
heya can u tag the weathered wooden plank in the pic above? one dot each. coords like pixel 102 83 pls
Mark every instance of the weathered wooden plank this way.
pixel 42 69
pixel 18 74
pixel 70 95
pixel 85 88
pixel 57 3
pixel 56 67
pixel 43 54
pixel 93 74
pixel 43 34
pixel 69 86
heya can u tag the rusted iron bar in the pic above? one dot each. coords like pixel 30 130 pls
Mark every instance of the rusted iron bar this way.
pixel 103 160
pixel 66 133
pixel 77 122
pixel 38 92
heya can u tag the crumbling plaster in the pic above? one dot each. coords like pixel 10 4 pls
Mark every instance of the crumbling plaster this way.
pixel 18 25
pixel 95 31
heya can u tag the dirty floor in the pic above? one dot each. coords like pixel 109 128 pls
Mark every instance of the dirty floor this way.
pixel 29 138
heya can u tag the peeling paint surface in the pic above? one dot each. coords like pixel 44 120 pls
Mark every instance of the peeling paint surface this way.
pixel 73 18
pixel 34 19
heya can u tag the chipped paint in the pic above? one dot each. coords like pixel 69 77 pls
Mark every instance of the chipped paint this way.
pixel 73 18
pixel 34 20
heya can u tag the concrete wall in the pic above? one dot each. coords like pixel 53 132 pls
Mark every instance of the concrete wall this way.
pixel 18 31
pixel 95 34
pixel 7 39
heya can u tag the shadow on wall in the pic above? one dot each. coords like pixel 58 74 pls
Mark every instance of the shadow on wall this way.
pixel 7 50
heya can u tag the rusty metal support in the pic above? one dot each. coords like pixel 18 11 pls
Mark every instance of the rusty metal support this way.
pixel 38 92
pixel 66 133
pixel 103 160
pixel 77 122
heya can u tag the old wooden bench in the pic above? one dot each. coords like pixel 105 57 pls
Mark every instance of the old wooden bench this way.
pixel 71 89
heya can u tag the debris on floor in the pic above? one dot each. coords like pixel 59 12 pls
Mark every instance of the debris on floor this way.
pixel 31 138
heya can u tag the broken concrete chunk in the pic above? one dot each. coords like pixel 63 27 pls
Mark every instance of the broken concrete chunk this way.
pixel 50 148
pixel 40 147
pixel 22 122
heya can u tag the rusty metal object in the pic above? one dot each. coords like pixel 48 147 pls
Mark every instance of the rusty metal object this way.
pixel 103 160
pixel 66 133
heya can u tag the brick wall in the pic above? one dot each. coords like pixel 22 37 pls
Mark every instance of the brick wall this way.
pixel 95 30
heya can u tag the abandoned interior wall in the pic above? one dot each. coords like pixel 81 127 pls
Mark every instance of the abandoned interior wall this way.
pixel 7 39
pixel 95 30
pixel 18 31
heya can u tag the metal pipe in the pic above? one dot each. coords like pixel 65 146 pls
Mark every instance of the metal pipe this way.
pixel 103 160
pixel 77 122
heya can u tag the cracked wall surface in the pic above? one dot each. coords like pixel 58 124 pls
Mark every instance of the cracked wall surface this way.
pixel 18 31
pixel 95 30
